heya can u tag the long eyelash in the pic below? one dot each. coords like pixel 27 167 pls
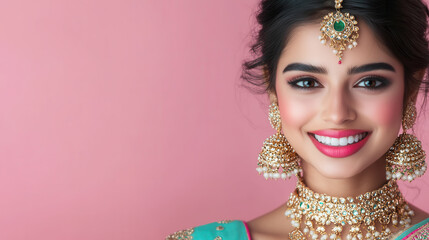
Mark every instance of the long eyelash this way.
pixel 293 82
pixel 384 82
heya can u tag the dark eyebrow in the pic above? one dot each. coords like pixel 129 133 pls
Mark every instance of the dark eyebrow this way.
pixel 371 67
pixel 304 68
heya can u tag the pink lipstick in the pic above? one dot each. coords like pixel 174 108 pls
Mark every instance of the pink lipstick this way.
pixel 339 143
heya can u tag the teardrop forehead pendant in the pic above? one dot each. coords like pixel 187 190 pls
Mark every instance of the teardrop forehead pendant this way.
pixel 341 29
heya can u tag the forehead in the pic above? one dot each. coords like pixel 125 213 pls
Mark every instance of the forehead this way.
pixel 304 46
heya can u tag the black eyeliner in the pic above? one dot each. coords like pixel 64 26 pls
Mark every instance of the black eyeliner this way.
pixel 293 83
pixel 384 82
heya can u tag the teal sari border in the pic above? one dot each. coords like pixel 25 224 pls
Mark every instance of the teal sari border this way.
pixel 412 229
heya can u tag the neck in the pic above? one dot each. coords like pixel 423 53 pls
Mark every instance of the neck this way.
pixel 371 178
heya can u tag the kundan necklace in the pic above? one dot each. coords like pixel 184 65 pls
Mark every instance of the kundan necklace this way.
pixel 367 216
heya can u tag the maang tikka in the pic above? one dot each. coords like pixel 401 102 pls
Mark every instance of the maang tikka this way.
pixel 341 29
pixel 405 160
pixel 276 152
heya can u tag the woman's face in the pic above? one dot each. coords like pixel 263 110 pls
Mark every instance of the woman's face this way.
pixel 340 118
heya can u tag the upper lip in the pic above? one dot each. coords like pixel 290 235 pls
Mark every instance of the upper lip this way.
pixel 338 133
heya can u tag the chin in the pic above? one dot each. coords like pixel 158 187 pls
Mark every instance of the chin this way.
pixel 339 174
pixel 337 170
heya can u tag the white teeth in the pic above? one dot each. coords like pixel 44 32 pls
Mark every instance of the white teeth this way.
pixel 335 141
pixel 344 141
pixel 327 141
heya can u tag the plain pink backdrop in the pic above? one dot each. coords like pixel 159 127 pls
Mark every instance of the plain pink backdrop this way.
pixel 126 119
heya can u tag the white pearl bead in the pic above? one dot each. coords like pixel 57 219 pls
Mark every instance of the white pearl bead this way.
pixel 355 44
pixel 332 236
pixel 323 41
pixel 265 175
pixel 335 51
pixel 360 236
pixel 410 178
pixel 350 46
pixel 284 175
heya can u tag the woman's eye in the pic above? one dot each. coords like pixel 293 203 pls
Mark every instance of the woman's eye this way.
pixel 304 83
pixel 373 83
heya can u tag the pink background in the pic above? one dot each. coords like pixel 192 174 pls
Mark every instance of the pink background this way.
pixel 126 119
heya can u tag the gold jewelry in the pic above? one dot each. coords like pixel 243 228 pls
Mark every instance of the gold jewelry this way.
pixel 276 152
pixel 341 29
pixel 406 158
pixel 321 216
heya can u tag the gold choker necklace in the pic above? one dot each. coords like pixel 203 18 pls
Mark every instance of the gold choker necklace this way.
pixel 367 216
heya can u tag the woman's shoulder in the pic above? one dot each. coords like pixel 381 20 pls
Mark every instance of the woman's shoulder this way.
pixel 225 230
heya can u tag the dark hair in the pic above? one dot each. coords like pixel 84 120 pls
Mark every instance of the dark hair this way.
pixel 401 25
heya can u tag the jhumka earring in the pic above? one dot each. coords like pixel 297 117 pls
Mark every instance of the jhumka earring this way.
pixel 406 158
pixel 341 29
pixel 276 152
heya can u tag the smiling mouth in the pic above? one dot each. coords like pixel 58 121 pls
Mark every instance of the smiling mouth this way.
pixel 343 141
pixel 339 143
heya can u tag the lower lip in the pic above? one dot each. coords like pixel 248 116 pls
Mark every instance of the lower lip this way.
pixel 339 151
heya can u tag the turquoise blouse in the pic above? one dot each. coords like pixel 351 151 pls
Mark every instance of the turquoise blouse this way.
pixel 237 230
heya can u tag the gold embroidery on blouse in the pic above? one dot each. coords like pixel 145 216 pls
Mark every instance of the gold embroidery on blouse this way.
pixel 421 234
pixel 220 228
pixel 181 235
pixel 225 221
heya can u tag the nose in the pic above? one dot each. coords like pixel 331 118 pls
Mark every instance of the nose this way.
pixel 338 107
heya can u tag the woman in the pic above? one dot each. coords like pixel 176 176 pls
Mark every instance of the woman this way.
pixel 342 77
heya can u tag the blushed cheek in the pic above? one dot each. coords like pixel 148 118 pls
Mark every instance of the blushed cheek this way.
pixel 387 113
pixel 295 112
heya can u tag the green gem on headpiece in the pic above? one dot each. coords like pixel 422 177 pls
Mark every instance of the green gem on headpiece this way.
pixel 339 26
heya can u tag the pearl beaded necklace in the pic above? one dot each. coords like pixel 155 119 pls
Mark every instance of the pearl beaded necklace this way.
pixel 366 217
